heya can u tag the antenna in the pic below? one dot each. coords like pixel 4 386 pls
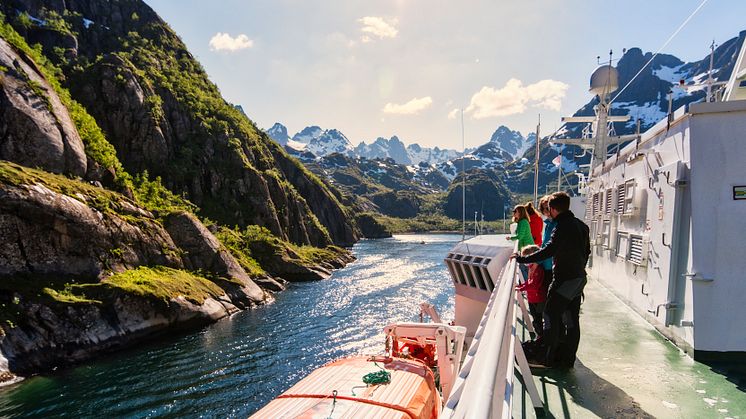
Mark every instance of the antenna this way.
pixel 709 73
pixel 536 165
pixel 463 179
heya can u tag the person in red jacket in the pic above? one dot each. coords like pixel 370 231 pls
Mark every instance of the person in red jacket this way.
pixel 536 291
pixel 536 222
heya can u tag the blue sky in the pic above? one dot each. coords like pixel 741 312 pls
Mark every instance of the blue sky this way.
pixel 402 67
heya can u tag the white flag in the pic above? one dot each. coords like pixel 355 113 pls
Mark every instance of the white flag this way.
pixel 557 160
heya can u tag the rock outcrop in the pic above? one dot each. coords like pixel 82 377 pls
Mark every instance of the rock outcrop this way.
pixel 54 335
pixel 47 233
pixel 35 128
pixel 75 277
pixel 203 251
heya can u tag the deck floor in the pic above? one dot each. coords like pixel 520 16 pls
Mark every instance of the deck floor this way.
pixel 626 369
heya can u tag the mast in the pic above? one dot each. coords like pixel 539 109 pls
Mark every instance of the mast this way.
pixel 463 180
pixel 559 170
pixel 536 165
pixel 604 81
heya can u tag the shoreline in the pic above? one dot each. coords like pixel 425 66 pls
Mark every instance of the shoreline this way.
pixel 180 317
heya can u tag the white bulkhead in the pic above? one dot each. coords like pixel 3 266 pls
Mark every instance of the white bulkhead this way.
pixel 668 231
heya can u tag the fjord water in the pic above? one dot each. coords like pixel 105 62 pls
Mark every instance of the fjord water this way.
pixel 234 367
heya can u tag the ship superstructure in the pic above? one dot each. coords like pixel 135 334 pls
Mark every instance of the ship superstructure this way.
pixel 667 214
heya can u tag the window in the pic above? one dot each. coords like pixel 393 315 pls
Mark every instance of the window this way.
pixel 622 244
pixel 605 234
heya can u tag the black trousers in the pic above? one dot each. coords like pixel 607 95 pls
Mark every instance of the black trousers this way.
pixel 537 317
pixel 562 334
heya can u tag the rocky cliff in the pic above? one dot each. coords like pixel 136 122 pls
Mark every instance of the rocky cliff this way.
pixel 156 105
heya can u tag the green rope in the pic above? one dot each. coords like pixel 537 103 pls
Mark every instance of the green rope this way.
pixel 378 377
pixel 375 378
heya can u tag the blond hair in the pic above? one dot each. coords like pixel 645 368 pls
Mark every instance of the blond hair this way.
pixel 529 250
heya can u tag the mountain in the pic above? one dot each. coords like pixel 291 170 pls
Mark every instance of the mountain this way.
pixel 279 133
pixel 383 148
pixel 646 99
pixel 320 142
pixel 380 185
pixel 512 142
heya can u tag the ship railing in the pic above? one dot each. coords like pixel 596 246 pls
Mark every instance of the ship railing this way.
pixel 484 385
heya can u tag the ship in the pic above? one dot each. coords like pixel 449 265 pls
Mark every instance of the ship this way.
pixel 667 213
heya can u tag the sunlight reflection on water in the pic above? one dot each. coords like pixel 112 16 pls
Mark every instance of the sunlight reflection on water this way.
pixel 235 366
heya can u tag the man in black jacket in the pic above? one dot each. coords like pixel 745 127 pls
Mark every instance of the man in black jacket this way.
pixel 569 245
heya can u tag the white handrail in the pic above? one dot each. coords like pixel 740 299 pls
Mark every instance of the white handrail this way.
pixel 484 386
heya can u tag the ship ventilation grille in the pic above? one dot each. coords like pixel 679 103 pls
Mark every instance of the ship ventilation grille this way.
pixel 470 270
pixel 621 198
pixel 637 250
pixel 607 205
pixel 596 203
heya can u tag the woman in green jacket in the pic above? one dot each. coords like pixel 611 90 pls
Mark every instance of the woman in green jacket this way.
pixel 522 233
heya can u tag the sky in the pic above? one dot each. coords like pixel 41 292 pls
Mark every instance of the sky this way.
pixel 410 67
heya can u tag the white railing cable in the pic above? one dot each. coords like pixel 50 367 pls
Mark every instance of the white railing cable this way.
pixel 484 386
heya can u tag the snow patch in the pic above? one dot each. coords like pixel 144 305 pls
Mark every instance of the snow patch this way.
pixel 296 145
pixel 649 112
pixel 670 74
pixel 669 405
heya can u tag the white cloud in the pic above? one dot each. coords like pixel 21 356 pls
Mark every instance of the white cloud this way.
pixel 454 113
pixel 514 98
pixel 225 42
pixel 412 107
pixel 377 27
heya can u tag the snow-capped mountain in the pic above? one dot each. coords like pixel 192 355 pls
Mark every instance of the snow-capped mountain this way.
pixel 383 148
pixel 321 142
pixel 313 139
pixel 279 133
pixel 512 142
pixel 646 99
pixel 431 156
pixel 328 142
pixel 394 148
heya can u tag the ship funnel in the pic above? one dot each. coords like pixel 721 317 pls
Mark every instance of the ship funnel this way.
pixel 604 81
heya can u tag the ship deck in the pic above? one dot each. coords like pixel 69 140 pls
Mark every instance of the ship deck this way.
pixel 626 369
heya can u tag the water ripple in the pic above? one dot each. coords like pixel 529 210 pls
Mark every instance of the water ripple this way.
pixel 237 365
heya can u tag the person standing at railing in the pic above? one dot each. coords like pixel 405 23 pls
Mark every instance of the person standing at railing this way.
pixel 536 292
pixel 569 245
pixel 522 233
pixel 534 220
pixel 549 225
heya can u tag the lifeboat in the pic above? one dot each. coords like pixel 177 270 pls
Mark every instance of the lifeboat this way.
pixel 337 390
pixel 400 384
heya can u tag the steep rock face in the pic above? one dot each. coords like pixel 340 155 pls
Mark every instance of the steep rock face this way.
pixel 35 128
pixel 158 108
pixel 203 251
pixel 76 276
pixel 48 233
pixel 52 336
pixel 321 201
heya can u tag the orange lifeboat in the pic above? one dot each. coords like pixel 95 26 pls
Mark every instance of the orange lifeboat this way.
pixel 337 390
